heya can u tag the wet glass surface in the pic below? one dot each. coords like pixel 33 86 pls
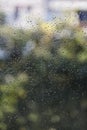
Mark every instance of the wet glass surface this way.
pixel 43 68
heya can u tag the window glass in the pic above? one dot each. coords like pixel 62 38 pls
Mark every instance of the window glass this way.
pixel 43 65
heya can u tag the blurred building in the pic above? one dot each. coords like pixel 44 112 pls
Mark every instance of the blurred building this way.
pixel 23 13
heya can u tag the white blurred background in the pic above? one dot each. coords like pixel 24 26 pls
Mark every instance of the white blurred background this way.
pixel 26 13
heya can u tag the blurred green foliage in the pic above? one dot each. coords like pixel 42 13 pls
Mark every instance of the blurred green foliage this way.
pixel 46 89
